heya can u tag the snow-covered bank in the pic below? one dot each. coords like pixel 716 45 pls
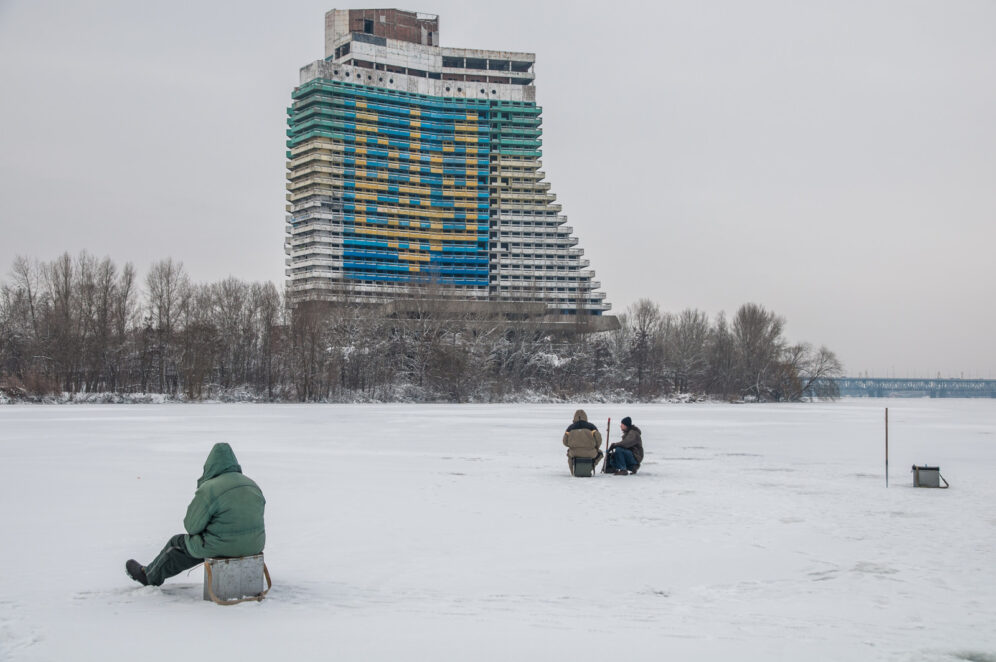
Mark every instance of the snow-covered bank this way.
pixel 400 395
pixel 453 532
pixel 12 396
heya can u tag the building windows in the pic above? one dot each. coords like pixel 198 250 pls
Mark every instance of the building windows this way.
pixel 517 232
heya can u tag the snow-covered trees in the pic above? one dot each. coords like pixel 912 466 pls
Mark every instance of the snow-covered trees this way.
pixel 685 349
pixel 82 325
pixel 748 358
pixel 63 324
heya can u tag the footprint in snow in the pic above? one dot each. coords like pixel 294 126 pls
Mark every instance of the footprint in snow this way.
pixel 823 575
pixel 975 656
pixel 874 569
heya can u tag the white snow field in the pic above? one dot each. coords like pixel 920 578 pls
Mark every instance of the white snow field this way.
pixel 454 532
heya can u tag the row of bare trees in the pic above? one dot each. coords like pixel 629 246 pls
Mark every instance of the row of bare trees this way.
pixel 746 356
pixel 83 325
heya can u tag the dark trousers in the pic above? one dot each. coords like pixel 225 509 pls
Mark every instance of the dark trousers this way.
pixel 173 560
pixel 622 458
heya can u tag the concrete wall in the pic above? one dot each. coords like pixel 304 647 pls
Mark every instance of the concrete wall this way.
pixel 407 26
pixel 416 84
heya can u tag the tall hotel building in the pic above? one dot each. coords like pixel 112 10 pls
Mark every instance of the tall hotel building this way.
pixel 411 163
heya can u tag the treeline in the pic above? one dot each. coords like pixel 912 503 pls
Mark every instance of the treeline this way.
pixel 83 325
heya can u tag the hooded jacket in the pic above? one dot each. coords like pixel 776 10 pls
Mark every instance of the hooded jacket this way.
pixel 633 441
pixel 582 438
pixel 225 519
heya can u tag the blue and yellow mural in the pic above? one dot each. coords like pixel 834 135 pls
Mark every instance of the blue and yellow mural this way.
pixel 411 175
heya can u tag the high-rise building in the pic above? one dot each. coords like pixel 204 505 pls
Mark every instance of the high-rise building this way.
pixel 415 164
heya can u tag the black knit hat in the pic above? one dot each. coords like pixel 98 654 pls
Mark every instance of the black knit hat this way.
pixel 628 422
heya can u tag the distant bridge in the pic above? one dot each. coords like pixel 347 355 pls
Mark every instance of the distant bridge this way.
pixel 914 388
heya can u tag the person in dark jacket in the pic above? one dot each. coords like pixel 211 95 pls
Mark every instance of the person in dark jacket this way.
pixel 582 440
pixel 626 456
pixel 225 519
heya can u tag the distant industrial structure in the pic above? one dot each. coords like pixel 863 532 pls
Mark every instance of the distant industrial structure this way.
pixel 916 388
pixel 414 165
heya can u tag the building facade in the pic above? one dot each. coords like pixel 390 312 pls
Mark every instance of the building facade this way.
pixel 411 164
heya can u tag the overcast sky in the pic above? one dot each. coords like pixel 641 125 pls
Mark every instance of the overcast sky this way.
pixel 833 161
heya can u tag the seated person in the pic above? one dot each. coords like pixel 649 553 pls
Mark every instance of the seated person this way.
pixel 225 519
pixel 582 440
pixel 626 456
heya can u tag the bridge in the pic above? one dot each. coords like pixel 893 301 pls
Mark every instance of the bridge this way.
pixel 916 388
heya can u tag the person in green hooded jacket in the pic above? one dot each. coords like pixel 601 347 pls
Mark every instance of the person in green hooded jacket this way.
pixel 225 519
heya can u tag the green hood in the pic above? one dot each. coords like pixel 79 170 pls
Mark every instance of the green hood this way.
pixel 225 517
pixel 221 460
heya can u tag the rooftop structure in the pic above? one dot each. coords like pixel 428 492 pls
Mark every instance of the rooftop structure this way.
pixel 411 164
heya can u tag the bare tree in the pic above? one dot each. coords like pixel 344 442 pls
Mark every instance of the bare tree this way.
pixel 168 286
pixel 124 320
pixel 59 282
pixel 421 319
pixel 269 306
pixel 23 345
pixel 232 314
pixel 805 371
pixel 197 342
pixel 645 326
pixel 308 348
pixel 685 350
pixel 721 359
pixel 99 282
pixel 28 280
pixel 757 336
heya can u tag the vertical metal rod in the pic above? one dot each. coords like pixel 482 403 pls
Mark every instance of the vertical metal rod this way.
pixel 886 446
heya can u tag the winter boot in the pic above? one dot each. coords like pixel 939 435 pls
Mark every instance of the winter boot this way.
pixel 136 572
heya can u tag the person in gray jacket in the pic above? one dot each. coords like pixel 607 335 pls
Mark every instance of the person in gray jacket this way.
pixel 626 456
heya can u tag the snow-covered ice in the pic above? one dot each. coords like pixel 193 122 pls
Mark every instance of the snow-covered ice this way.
pixel 453 532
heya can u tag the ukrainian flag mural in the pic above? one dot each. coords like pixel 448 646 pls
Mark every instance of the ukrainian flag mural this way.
pixel 404 177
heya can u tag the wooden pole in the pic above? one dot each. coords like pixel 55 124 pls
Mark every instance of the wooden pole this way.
pixel 608 431
pixel 886 446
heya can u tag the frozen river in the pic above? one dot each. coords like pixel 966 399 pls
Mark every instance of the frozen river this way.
pixel 454 532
